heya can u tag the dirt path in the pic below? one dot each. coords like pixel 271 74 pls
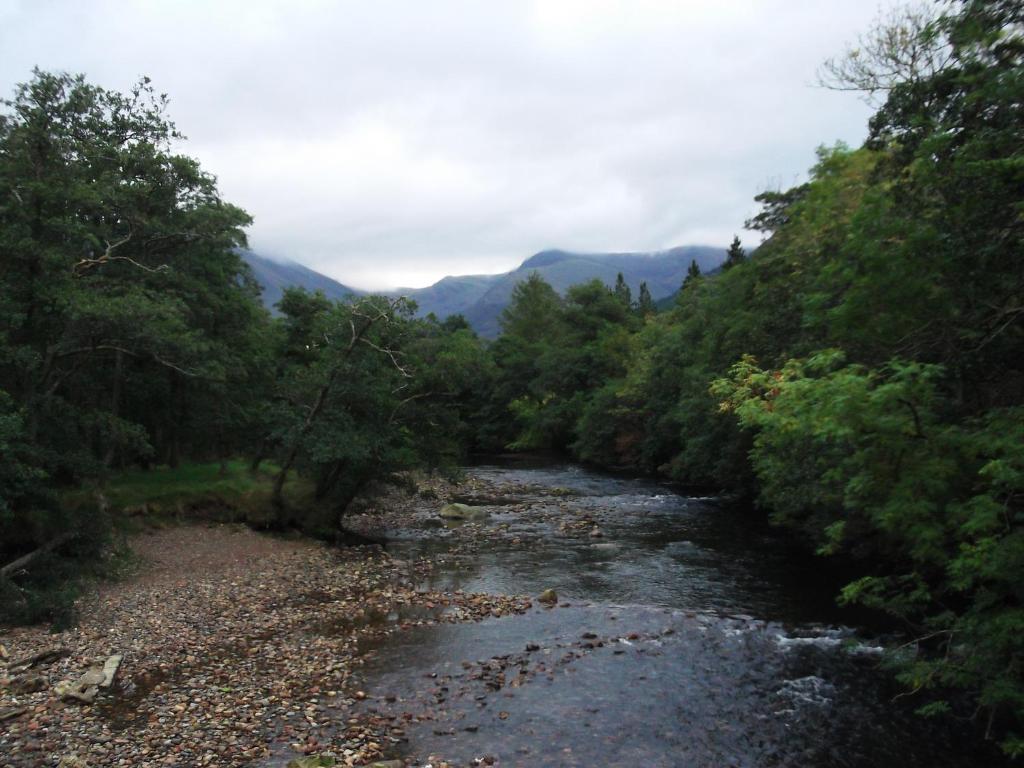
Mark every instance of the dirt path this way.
pixel 237 646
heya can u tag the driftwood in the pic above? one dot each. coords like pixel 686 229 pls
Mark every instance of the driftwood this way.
pixel 26 560
pixel 86 688
pixel 9 713
pixel 50 654
pixel 110 667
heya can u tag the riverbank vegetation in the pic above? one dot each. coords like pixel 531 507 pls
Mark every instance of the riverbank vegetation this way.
pixel 859 374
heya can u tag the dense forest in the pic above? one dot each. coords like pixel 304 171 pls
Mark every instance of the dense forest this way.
pixel 860 374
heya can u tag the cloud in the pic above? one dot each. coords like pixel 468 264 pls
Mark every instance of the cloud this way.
pixel 393 143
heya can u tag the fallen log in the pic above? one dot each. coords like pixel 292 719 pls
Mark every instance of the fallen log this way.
pixel 87 687
pixel 26 560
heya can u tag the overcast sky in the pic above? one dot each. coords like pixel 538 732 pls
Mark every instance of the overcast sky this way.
pixel 392 143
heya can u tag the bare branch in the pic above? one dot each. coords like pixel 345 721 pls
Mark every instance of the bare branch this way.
pixel 108 256
pixel 132 353
pixel 391 354
pixel 902 46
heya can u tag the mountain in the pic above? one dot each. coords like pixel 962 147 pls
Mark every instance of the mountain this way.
pixel 275 275
pixel 481 298
pixel 450 295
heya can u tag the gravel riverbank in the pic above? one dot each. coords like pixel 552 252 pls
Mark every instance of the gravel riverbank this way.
pixel 238 648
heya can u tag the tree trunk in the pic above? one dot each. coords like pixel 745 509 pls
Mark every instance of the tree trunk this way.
pixel 26 560
pixel 328 480
pixel 261 453
pixel 174 438
pixel 115 403
pixel 278 495
pixel 277 498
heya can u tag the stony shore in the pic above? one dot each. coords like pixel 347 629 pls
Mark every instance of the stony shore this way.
pixel 239 649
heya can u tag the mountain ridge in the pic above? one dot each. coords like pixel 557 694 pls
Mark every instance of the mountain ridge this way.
pixel 482 298
pixel 274 275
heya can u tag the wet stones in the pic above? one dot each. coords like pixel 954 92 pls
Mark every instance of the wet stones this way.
pixel 548 597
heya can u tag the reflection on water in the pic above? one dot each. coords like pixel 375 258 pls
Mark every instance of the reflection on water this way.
pixel 692 636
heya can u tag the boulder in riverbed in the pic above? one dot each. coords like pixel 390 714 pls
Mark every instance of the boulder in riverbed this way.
pixel 548 597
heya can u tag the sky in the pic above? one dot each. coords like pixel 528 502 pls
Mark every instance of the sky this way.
pixel 391 143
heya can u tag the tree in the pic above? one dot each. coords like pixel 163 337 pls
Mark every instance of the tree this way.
pixel 645 304
pixel 735 255
pixel 114 253
pixel 338 418
pixel 129 326
pixel 692 275
pixel 622 292
pixel 120 287
pixel 906 46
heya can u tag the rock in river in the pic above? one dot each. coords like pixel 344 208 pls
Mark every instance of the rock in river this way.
pixel 548 596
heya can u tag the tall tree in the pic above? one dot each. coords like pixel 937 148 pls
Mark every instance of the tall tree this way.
pixel 692 275
pixel 735 255
pixel 126 315
pixel 645 304
pixel 622 292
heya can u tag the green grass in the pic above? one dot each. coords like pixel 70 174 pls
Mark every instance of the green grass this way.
pixel 192 490
pixel 185 483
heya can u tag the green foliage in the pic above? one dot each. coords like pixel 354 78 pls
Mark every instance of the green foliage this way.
pixel 864 460
pixel 364 390
pixel 553 353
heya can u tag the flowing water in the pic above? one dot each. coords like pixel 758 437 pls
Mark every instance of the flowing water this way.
pixel 686 634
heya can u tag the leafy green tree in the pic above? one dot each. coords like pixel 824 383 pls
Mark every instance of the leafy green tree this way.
pixel 530 323
pixel 128 322
pixel 115 253
pixel 348 388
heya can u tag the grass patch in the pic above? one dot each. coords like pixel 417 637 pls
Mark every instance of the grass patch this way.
pixel 185 484
pixel 162 495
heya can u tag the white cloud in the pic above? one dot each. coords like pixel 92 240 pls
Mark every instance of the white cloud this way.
pixel 395 142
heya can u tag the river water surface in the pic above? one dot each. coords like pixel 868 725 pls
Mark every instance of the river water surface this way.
pixel 686 634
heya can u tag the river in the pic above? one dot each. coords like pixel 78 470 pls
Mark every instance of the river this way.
pixel 686 633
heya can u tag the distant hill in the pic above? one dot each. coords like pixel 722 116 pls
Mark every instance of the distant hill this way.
pixel 450 295
pixel 481 298
pixel 275 275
